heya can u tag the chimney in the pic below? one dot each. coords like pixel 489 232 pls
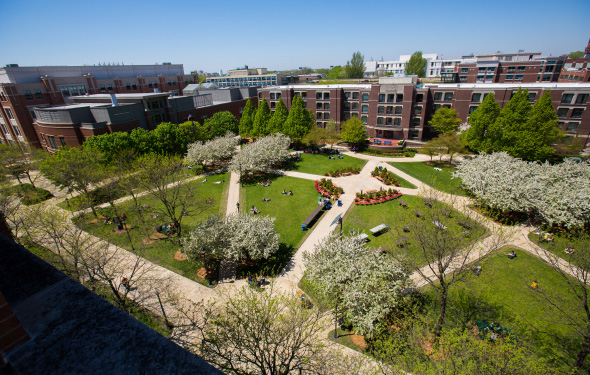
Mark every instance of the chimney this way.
pixel 114 100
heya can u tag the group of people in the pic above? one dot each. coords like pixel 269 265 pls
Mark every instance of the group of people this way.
pixel 322 201
pixel 265 184
pixel 254 210
pixel 120 221
pixel 511 255
pixel 257 281
pixel 285 192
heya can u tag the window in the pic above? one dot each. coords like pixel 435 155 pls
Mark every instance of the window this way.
pixel 346 115
pixel 532 96
pixel 398 110
pixel 448 96
pixel 62 140
pixel 174 83
pixel 272 96
pixel 475 97
pixel 389 110
pixel 150 84
pixel 326 96
pixel 2 97
pixel 380 110
pixel 52 142
pixel 577 113
pixel 481 69
pixel 400 98
pixel 379 120
pixel 437 96
pixel 414 133
pixel 390 98
pixel 155 84
pixel 346 106
pixel 562 112
pixel 365 108
pixel 567 98
pixel 418 110
pixel 511 69
pixel 389 121
pixel 581 98
pixel 4 129
pixel 463 78
pixel 355 106
pixel 464 70
pixel 28 95
pixel 9 113
pixel 397 121
pixel 364 119
pixel 318 115
pixel 355 96
pixel 65 92
pixel 128 86
pixel 319 106
pixel 82 90
pixel 365 97
pixel 489 77
pixel 347 95
pixel 435 107
pixel 38 94
pixel 273 105
pixel 110 87
pixel 520 69
pixel 509 77
pixel 416 121
pixel 326 115
pixel 419 98
pixel 16 131
pixel 491 69
pixel 326 106
pixel 102 89
pixel 572 127
pixel 472 108
pixel 381 98
pixel 134 85
pixel 518 77
pixel 318 96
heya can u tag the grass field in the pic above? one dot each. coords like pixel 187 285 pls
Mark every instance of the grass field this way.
pixel 160 251
pixel 560 243
pixel 364 217
pixel 320 164
pixel 502 294
pixel 441 180
pixel 403 183
pixel 28 194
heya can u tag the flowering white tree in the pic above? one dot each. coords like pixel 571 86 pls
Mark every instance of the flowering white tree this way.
pixel 213 151
pixel 235 237
pixel 262 155
pixel 364 285
pixel 559 193
pixel 585 153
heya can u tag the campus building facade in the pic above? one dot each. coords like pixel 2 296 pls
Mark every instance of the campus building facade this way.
pixel 399 108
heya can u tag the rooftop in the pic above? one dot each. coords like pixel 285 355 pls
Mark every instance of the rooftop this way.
pixel 321 87
pixel 536 85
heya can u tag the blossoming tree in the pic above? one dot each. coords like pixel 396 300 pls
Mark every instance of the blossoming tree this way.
pixel 262 155
pixel 212 152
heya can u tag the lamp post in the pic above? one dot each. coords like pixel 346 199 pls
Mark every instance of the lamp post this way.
pixel 240 166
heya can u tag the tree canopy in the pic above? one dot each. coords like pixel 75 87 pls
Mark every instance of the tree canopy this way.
pixel 576 55
pixel 212 152
pixel 445 120
pixel 262 155
pixel 337 72
pixel 277 121
pixel 353 131
pixel 247 119
pixel 299 122
pixel 355 68
pixel 481 120
pixel 416 65
pixel 221 123
pixel 261 120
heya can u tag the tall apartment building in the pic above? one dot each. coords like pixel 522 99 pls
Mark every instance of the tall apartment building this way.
pixel 249 77
pixel 22 89
pixel 436 66
pixel 399 108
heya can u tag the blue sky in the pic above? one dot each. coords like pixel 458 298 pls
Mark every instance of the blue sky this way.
pixel 279 35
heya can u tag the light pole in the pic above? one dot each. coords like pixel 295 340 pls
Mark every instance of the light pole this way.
pixel 240 166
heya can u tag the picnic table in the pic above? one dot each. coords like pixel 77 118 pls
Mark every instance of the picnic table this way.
pixel 418 213
pixel 428 202
pixel 379 228
pixel 439 225
pixel 402 203
pixel 310 218
pixel 362 237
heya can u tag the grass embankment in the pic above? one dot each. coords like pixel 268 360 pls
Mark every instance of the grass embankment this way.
pixel 441 180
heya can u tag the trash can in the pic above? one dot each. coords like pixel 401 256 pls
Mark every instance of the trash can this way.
pixel 303 228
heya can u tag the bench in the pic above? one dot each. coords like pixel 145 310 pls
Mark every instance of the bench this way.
pixel 371 191
pixel 428 202
pixel 379 228
pixel 402 203
pixel 362 237
pixel 387 142
pixel 310 218
pixel 418 213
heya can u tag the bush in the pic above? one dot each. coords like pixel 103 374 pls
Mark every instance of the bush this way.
pixel 340 172
pixel 387 177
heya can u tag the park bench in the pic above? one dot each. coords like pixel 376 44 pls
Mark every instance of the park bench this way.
pixel 418 213
pixel 428 202
pixel 402 203
pixel 310 218
pixel 387 142
pixel 464 223
pixel 379 228
pixel 362 237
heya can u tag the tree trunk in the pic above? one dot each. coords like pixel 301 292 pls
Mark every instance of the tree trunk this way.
pixel 30 180
pixel 443 311
pixel 581 357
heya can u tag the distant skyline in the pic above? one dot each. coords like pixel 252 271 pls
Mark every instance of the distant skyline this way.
pixel 216 35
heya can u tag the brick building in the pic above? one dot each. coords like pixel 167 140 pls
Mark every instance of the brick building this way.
pixel 399 108
pixel 24 88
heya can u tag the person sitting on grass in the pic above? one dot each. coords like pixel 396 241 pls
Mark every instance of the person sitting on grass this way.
pixel 570 250
pixel 254 210
pixel 284 192
pixel 266 199
pixel 511 255
pixel 290 192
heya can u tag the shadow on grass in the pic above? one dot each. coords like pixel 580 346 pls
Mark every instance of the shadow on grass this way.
pixel 268 267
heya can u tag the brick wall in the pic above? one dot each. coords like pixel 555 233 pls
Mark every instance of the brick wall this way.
pixel 12 334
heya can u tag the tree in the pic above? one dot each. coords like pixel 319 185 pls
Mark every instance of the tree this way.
pixel 445 248
pixel 576 55
pixel 23 159
pixel 505 131
pixel 277 121
pixel 75 169
pixel 337 72
pixel 221 123
pixel 247 119
pixel 299 122
pixel 161 176
pixel 261 119
pixel 355 68
pixel 353 131
pixel 213 152
pixel 332 134
pixel 235 238
pixel 416 65
pixel 363 285
pixel 431 148
pixel 262 155
pixel 315 137
pixel 445 120
pixel 585 153
pixel 482 120
pixel 452 144
pixel 250 332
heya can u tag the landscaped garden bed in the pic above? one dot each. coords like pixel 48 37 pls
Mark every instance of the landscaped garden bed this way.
pixel 326 188
pixel 348 171
pixel 376 197
pixel 383 175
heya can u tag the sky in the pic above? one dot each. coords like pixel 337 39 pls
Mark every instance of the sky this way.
pixel 280 35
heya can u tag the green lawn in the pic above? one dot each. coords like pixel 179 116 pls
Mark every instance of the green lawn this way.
pixel 28 194
pixel 364 217
pixel 161 251
pixel 440 180
pixel 403 183
pixel 320 164
pixel 502 294
pixel 559 244
pixel 289 211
